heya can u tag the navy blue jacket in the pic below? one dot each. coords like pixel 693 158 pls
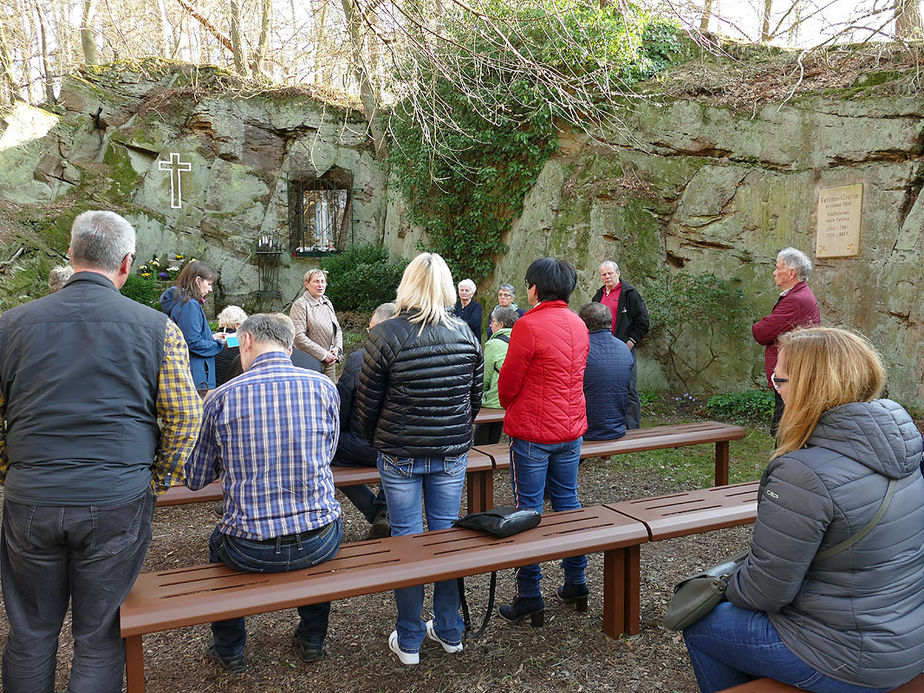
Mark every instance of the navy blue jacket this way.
pixel 190 316
pixel 606 386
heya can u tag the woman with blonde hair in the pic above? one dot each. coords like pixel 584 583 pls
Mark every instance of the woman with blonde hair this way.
pixel 317 331
pixel 830 597
pixel 184 304
pixel 419 391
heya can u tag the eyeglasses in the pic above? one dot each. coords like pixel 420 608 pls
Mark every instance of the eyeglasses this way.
pixel 133 259
pixel 777 382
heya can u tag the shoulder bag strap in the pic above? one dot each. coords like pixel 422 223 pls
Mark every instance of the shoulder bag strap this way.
pixel 850 541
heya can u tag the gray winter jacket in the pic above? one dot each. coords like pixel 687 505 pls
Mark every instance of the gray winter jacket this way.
pixel 857 616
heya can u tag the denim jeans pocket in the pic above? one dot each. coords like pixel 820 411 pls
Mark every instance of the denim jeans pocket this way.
pixel 396 466
pixel 810 681
pixel 17 526
pixel 116 528
pixel 455 465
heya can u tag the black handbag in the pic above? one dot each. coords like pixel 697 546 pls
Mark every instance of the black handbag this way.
pixel 499 522
pixel 697 595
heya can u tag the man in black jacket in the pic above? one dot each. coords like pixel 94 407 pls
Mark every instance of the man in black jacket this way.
pixel 354 450
pixel 630 324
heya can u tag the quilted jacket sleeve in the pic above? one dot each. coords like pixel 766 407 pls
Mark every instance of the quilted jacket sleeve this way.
pixel 373 382
pixel 793 513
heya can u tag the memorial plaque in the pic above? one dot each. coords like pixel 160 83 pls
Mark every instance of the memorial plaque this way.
pixel 840 212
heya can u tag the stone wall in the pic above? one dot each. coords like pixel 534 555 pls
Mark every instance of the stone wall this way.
pixel 704 188
pixel 241 151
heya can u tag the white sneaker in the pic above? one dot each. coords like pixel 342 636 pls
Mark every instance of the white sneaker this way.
pixel 405 657
pixel 451 649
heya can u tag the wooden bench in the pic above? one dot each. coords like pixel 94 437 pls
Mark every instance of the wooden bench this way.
pixel 655 438
pixel 180 597
pixel 479 478
pixel 682 514
pixel 916 685
pixel 489 415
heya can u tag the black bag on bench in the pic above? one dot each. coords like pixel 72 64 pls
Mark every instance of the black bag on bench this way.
pixel 500 522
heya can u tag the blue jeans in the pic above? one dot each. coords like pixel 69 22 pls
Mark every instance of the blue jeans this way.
pixel 633 405
pixel 439 480
pixel 278 555
pixel 730 646
pixel 533 468
pixel 90 556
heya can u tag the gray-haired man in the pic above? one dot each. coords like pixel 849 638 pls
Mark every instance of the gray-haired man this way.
pixel 85 375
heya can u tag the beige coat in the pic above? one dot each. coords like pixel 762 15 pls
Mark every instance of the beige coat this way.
pixel 316 326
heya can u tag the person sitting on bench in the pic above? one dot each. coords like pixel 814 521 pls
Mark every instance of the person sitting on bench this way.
pixel 495 351
pixel 354 450
pixel 606 380
pixel 280 513
pixel 829 598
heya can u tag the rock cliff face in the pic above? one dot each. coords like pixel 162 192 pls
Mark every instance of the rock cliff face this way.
pixel 198 167
pixel 704 188
pixel 683 185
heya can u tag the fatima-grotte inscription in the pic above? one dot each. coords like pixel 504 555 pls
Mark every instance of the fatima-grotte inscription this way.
pixel 840 214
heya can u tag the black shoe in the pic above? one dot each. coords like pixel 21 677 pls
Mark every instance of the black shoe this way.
pixel 309 651
pixel 522 607
pixel 572 593
pixel 232 666
pixel 381 527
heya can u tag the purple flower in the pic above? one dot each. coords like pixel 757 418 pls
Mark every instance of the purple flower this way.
pixel 163 275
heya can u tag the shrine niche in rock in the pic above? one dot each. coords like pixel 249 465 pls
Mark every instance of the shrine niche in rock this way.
pixel 320 222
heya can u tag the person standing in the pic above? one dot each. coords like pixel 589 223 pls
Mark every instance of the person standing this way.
pixel 270 434
pixel 468 309
pixel 419 391
pixel 317 331
pixel 606 380
pixel 630 324
pixel 354 450
pixel 541 389
pixel 184 304
pixel 99 414
pixel 795 307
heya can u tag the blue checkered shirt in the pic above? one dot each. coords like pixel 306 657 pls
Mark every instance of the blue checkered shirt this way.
pixel 270 434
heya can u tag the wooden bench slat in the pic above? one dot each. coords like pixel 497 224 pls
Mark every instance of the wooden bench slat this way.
pixel 480 467
pixel 182 597
pixel 692 512
pixel 643 439
pixel 489 415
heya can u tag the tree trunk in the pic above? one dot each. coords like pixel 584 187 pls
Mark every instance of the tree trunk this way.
pixel 366 89
pixel 9 89
pixel 43 45
pixel 765 22
pixel 707 15
pixel 908 20
pixel 167 41
pixel 87 39
pixel 238 47
pixel 265 10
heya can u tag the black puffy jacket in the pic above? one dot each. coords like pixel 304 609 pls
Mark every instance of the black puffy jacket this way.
pixel 419 391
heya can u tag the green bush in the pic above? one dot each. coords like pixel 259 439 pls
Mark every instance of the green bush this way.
pixel 362 277
pixel 144 290
pixel 754 405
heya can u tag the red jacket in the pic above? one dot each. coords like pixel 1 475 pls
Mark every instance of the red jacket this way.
pixel 541 384
pixel 798 308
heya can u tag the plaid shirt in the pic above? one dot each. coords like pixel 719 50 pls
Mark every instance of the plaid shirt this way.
pixel 178 408
pixel 270 434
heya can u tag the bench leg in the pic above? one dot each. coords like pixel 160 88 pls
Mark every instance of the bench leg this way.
pixel 134 664
pixel 480 491
pixel 721 463
pixel 633 590
pixel 614 592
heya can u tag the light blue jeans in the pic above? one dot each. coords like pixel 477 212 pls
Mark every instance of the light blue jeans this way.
pixel 439 481
pixel 730 646
pixel 535 467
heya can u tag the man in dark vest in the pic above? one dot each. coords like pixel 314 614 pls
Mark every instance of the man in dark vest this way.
pixel 85 375
pixel 630 324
